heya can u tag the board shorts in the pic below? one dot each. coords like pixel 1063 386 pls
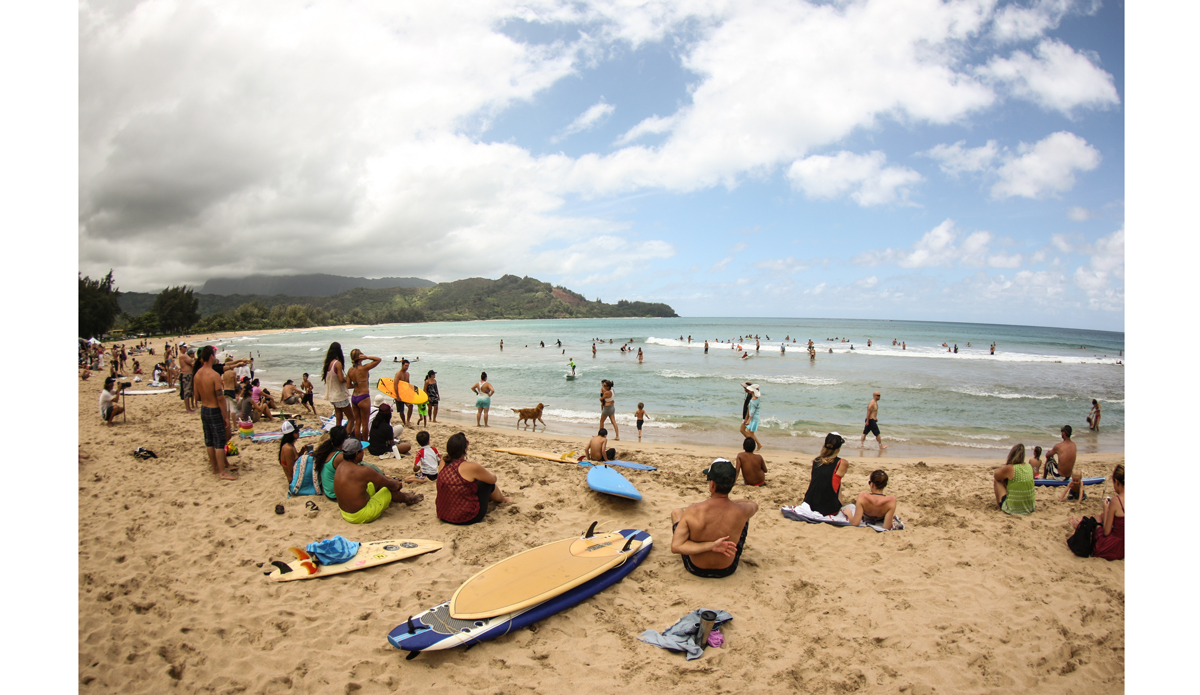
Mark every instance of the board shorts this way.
pixel 871 428
pixel 342 404
pixel 185 386
pixel 374 508
pixel 639 424
pixel 214 427
pixel 704 573
pixel 608 411
pixel 1050 471
pixel 107 413
pixel 292 400
pixel 483 402
pixel 306 398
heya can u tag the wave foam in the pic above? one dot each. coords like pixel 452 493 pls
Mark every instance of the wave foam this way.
pixel 992 394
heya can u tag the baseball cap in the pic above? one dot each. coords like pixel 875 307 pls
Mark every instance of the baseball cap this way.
pixel 287 427
pixel 834 440
pixel 721 472
pixel 351 446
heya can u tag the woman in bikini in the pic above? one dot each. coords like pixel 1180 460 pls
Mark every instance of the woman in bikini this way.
pixel 875 508
pixel 483 398
pixel 608 408
pixel 335 386
pixel 431 388
pixel 358 378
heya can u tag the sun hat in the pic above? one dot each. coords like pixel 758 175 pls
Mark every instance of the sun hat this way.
pixel 377 400
pixel 721 472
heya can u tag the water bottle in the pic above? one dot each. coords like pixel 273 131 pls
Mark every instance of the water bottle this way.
pixel 707 618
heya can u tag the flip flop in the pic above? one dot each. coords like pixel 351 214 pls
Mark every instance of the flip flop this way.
pixel 279 509
pixel 312 505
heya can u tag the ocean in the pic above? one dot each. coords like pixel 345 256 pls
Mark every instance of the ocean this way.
pixel 933 402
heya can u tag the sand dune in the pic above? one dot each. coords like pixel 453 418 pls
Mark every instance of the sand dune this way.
pixel 172 596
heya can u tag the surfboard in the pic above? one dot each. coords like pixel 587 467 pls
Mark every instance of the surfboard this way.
pixel 573 457
pixel 1050 482
pixel 538 574
pixel 369 554
pixel 435 629
pixel 402 391
pixel 146 392
pixel 604 479
pixel 570 377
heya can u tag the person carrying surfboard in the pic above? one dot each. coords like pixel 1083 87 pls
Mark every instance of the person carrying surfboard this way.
pixel 402 375
pixel 701 532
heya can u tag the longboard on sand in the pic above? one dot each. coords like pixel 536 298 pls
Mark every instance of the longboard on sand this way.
pixel 1051 482
pixel 402 391
pixel 538 574
pixel 436 629
pixel 369 555
pixel 572 457
pixel 146 392
pixel 601 478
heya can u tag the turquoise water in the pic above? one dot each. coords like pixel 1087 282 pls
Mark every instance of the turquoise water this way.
pixel 933 402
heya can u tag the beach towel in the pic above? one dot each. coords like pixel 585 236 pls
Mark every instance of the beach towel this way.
pixel 802 512
pixel 680 636
pixel 333 551
pixel 276 436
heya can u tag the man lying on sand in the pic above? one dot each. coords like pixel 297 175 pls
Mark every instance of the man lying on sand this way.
pixel 751 465
pixel 702 531
pixel 597 448
pixel 1065 452
pixel 363 493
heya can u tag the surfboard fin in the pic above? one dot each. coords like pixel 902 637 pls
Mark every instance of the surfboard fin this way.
pixel 300 553
pixel 411 628
pixel 411 656
pixel 591 530
pixel 627 544
pixel 311 567
pixel 284 568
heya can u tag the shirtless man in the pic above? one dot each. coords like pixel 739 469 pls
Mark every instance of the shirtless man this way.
pixel 364 493
pixel 186 367
pixel 752 466
pixel 402 375
pixel 1060 460
pixel 229 386
pixel 213 412
pixel 872 424
pixel 702 531
pixel 307 399
pixel 597 448
pixel 875 508
pixel 290 394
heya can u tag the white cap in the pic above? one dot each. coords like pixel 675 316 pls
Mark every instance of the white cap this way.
pixel 288 427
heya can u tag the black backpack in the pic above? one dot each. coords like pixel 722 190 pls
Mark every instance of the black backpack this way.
pixel 1081 542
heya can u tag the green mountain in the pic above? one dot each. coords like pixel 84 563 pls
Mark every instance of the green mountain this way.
pixel 510 297
pixel 313 285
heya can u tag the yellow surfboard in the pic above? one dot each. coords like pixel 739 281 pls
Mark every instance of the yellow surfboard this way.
pixel 538 574
pixel 402 391
pixel 369 554
pixel 568 457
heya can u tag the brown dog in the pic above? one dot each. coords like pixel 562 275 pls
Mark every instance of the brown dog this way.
pixel 533 415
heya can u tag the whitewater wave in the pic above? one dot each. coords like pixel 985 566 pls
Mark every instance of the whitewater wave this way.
pixel 756 378
pixel 966 445
pixel 992 394
pixel 551 415
pixel 973 354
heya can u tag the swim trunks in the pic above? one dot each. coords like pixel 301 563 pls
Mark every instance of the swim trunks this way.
pixel 379 501
pixel 106 413
pixel 359 398
pixel 292 400
pixel 483 402
pixel 716 574
pixel 757 484
pixel 306 398
pixel 185 386
pixel 608 411
pixel 214 427
pixel 639 424
pixel 230 394
pixel 871 428
pixel 342 404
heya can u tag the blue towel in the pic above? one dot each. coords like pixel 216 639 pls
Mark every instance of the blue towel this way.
pixel 333 551
pixel 679 637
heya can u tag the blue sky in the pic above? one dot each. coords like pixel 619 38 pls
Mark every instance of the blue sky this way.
pixel 907 159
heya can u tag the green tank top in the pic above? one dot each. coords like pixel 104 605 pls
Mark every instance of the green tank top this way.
pixel 1020 498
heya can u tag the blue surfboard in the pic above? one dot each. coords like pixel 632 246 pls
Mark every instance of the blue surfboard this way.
pixel 434 629
pixel 631 464
pixel 607 480
pixel 1050 482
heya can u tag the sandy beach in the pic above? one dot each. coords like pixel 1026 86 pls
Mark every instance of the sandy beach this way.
pixel 172 593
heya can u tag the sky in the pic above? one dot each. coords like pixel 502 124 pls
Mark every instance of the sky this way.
pixel 903 159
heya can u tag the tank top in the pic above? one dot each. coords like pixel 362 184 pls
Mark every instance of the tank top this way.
pixel 335 390
pixel 821 495
pixel 1020 499
pixel 457 499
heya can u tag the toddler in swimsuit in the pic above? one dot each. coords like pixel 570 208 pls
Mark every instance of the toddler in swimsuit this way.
pixel 641 417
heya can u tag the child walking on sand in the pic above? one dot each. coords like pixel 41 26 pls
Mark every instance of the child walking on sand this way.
pixel 641 417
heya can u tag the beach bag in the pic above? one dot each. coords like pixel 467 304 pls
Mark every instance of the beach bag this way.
pixel 1081 542
pixel 304 478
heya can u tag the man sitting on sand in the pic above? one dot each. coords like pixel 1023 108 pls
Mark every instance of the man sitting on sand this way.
pixel 290 395
pixel 363 493
pixel 108 409
pixel 702 531
pixel 597 448
pixel 752 466
pixel 1061 468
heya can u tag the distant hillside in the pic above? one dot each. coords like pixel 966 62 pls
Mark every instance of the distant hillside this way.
pixel 315 285
pixel 510 297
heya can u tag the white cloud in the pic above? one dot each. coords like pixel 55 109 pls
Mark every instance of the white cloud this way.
pixel 719 266
pixel 937 249
pixel 1001 260
pixel 1017 23
pixel 1056 77
pixel 1103 279
pixel 785 266
pixel 863 177
pixel 868 282
pixel 956 159
pixel 1081 214
pixel 1045 168
pixel 587 120
pixel 650 126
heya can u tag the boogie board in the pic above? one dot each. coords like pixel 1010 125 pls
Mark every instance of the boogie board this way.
pixel 604 479
pixel 573 457
pixel 435 629
pixel 1050 482
pixel 402 391
pixel 369 555
pixel 538 574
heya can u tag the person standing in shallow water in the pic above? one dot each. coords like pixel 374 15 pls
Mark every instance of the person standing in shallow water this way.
pixel 483 400
pixel 872 424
